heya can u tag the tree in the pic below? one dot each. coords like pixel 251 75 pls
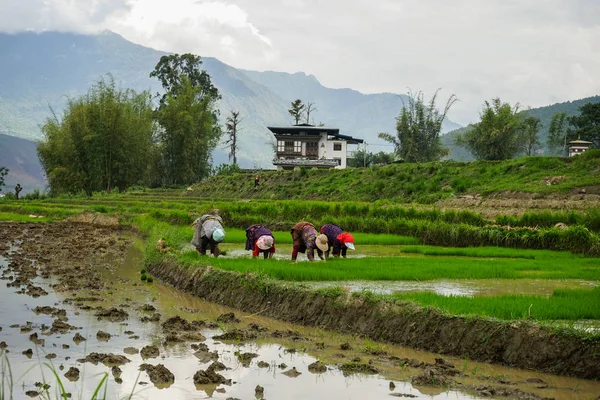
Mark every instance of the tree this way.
pixel 498 135
pixel 171 69
pixel 308 109
pixel 3 172
pixel 188 119
pixel 418 129
pixel 362 158
pixel 586 125
pixel 296 109
pixel 231 129
pixel 557 132
pixel 103 140
pixel 529 134
pixel 188 133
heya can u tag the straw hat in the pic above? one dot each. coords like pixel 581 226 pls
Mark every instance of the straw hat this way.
pixel 322 242
pixel 265 242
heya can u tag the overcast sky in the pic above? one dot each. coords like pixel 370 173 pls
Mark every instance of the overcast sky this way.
pixel 535 52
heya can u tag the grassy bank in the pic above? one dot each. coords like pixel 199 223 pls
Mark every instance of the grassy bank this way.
pixel 421 183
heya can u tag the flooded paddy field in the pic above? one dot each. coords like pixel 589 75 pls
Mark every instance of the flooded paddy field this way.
pixel 53 290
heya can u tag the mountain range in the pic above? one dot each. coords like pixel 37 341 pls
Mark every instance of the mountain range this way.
pixel 39 71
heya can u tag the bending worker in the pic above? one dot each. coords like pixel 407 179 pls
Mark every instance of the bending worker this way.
pixel 334 236
pixel 208 233
pixel 259 239
pixel 304 236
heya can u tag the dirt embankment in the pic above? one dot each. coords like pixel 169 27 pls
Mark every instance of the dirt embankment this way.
pixel 520 345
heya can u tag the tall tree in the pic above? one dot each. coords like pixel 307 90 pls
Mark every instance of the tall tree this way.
pixel 3 172
pixel 309 108
pixel 103 140
pixel 529 135
pixel 418 129
pixel 557 133
pixel 296 109
pixel 188 119
pixel 231 129
pixel 498 135
pixel 171 69
pixel 586 125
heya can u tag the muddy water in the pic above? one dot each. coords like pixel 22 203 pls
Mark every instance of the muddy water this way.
pixel 297 351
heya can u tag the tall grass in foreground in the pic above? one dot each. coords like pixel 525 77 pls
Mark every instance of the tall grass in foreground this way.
pixel 60 393
pixel 564 304
pixel 406 268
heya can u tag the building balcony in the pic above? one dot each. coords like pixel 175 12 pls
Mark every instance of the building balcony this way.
pixel 291 163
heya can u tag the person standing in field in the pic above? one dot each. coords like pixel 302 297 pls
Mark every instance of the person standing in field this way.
pixel 208 233
pixel 259 239
pixel 332 236
pixel 304 237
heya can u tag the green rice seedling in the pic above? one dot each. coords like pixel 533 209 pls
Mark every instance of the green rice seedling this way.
pixel 479 252
pixel 575 304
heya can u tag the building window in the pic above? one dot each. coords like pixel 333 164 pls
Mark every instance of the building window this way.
pixel 312 148
pixel 297 147
pixel 337 147
pixel 280 146
pixel 289 146
pixel 339 160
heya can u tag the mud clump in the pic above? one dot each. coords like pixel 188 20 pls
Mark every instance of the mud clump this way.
pixel 72 374
pixel 317 367
pixel 106 359
pixel 35 291
pixel 354 367
pixel 130 350
pixel 246 358
pixel 159 374
pixel 53 311
pixel 210 376
pixel 152 318
pixel 432 376
pixel 149 352
pixel 345 346
pixel 103 336
pixel 263 364
pixel 178 324
pixel 238 335
pixel 228 318
pixel 28 353
pixel 78 338
pixel 60 326
pixel 112 314
pixel 292 373
pixel 148 308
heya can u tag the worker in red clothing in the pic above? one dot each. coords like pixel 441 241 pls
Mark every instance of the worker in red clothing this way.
pixel 304 235
pixel 334 237
pixel 259 239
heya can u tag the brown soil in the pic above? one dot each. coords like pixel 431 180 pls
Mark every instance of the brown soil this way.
pixel 210 376
pixel 72 374
pixel 159 375
pixel 112 314
pixel 107 359
pixel 228 318
pixel 149 352
pixel 521 345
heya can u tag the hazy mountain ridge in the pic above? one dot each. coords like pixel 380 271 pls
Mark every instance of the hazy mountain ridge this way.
pixel 20 157
pixel 41 70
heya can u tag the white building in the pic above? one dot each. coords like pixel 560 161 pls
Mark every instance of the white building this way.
pixel 311 146
pixel 578 146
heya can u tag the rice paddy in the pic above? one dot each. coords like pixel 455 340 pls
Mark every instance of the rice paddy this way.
pixel 397 245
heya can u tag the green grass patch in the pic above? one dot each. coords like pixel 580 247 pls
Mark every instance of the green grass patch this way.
pixel 478 252
pixel 572 304
pixel 406 268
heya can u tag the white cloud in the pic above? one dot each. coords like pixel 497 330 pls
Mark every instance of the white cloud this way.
pixel 535 52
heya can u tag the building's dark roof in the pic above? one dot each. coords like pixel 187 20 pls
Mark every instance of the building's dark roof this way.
pixel 313 130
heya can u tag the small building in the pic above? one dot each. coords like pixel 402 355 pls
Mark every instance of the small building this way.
pixel 307 145
pixel 578 146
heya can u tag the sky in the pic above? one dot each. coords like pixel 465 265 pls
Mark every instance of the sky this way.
pixel 534 52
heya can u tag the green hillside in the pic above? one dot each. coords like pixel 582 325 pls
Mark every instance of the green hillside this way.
pixel 420 183
pixel 543 113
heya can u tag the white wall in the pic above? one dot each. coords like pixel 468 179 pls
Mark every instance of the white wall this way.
pixel 328 153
